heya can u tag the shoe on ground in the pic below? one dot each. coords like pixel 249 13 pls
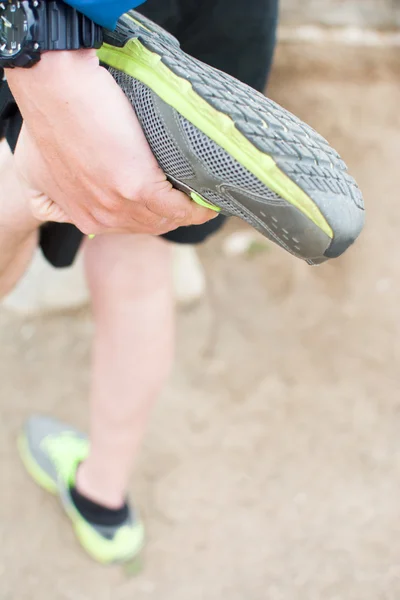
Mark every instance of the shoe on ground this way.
pixel 51 452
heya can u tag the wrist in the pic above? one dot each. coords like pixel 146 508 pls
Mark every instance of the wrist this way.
pixel 29 29
pixel 54 66
pixel 53 83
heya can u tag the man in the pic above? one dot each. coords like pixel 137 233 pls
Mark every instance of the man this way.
pixel 82 158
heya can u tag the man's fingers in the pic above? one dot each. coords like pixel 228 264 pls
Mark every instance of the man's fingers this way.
pixel 46 210
pixel 146 202
pixel 174 205
pixel 187 211
pixel 201 215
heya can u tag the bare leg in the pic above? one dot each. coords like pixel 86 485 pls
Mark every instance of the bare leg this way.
pixel 130 282
pixel 18 228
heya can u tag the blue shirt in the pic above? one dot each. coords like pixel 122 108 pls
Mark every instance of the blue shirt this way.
pixel 104 12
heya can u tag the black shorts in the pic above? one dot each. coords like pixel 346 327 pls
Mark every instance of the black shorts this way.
pixel 235 36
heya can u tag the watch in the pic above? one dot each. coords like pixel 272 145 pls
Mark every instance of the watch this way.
pixel 30 27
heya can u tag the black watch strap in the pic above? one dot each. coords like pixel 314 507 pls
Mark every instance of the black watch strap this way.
pixel 62 27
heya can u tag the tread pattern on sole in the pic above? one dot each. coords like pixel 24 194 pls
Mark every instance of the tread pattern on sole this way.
pixel 298 151
pixel 301 152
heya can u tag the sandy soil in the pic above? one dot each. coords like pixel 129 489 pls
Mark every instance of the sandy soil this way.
pixel 272 466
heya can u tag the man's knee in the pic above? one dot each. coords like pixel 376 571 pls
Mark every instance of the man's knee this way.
pixel 127 264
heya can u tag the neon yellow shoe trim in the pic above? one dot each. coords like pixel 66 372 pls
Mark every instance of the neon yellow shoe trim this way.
pixel 126 545
pixel 199 200
pixel 146 66
pixel 66 452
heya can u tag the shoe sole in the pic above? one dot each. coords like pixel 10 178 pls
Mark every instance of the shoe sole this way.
pixel 288 157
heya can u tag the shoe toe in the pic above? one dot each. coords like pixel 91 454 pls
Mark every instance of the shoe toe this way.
pixel 346 218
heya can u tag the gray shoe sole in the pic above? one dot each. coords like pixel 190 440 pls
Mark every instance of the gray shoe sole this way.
pixel 235 148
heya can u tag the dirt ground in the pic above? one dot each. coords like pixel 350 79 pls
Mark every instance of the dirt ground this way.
pixel 272 466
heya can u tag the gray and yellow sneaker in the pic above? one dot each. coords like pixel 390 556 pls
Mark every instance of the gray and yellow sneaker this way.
pixel 231 148
pixel 51 452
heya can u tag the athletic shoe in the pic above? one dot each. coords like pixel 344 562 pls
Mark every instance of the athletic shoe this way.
pixel 51 452
pixel 231 148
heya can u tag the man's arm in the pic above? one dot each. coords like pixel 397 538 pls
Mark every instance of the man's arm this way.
pixel 87 152
pixel 104 12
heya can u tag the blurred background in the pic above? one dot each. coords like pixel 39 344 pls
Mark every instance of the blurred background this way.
pixel 271 470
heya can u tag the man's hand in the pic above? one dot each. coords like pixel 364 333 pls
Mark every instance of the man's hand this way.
pixel 84 155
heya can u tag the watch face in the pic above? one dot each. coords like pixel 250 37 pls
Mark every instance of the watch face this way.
pixel 13 28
